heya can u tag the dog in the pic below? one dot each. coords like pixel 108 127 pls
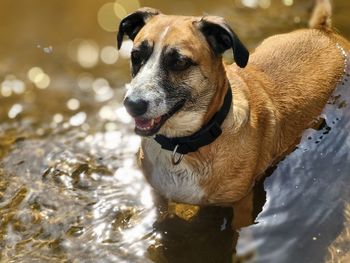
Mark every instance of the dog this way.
pixel 210 130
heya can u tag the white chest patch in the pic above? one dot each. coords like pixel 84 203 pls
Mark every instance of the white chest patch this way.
pixel 175 182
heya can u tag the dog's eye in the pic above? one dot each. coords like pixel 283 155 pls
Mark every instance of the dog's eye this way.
pixel 136 57
pixel 139 56
pixel 137 61
pixel 179 64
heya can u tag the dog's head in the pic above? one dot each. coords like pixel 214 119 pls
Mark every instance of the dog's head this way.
pixel 177 69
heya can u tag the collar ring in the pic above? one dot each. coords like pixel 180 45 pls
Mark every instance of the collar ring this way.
pixel 175 160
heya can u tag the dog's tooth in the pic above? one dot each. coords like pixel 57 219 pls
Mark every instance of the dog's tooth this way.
pixel 152 122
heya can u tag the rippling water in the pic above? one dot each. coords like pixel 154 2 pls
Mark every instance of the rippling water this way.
pixel 70 189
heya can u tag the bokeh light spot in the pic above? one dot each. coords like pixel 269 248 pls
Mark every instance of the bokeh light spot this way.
pixel 109 55
pixel 250 3
pixel 42 81
pixel 12 85
pixel 39 77
pixel 107 19
pixel 18 86
pixel 288 2
pixel 119 11
pixel 58 118
pixel 15 110
pixel 102 89
pixel 78 119
pixel 6 90
pixel 33 73
pixel 122 115
pixel 265 4
pixel 107 113
pixel 73 104
pixel 128 5
pixel 88 54
pixel 85 81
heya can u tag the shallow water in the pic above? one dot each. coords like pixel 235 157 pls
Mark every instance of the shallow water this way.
pixel 70 189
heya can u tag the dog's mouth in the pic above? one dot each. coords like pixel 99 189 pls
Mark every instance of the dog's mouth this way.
pixel 149 127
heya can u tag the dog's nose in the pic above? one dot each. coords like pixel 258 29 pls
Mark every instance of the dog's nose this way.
pixel 135 107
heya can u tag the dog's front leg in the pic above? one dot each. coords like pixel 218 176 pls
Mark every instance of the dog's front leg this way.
pixel 247 209
pixel 243 211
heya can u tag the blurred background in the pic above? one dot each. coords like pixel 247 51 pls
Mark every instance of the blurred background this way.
pixel 59 49
pixel 70 190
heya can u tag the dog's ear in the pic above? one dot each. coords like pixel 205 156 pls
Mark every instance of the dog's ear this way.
pixel 221 37
pixel 132 24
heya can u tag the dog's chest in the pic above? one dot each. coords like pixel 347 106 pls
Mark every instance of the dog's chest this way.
pixel 180 182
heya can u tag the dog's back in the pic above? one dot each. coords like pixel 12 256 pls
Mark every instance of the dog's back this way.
pixel 301 70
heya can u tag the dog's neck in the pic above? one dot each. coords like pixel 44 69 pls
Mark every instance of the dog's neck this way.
pixel 220 107
pixel 217 100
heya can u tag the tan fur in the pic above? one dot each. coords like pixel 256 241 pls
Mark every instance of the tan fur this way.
pixel 321 17
pixel 285 86
pixel 285 94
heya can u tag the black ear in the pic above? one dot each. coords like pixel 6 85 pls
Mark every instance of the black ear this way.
pixel 221 37
pixel 133 23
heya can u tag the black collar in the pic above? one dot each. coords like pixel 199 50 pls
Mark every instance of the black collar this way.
pixel 206 135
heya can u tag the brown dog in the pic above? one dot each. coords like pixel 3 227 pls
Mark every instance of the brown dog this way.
pixel 200 146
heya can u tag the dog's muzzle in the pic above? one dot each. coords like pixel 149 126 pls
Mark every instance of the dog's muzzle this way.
pixel 146 125
pixel 137 108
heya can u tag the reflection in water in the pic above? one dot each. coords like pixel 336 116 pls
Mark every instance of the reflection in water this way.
pixel 207 238
pixel 70 190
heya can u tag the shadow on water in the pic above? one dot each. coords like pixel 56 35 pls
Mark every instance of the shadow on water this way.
pixel 70 189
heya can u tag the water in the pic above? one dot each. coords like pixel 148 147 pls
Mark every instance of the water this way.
pixel 70 189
